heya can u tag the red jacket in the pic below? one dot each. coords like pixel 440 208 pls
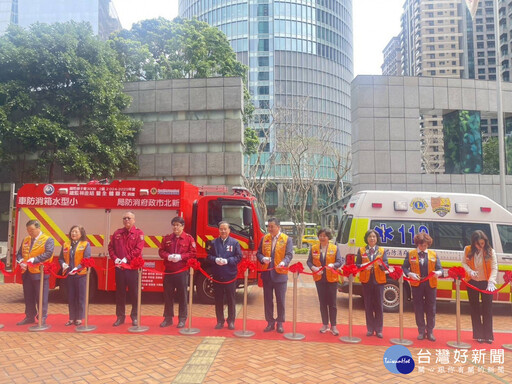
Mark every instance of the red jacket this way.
pixel 183 245
pixel 124 243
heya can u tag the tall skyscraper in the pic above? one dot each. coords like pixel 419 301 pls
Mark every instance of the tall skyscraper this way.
pixel 295 50
pixel 392 65
pixel 101 14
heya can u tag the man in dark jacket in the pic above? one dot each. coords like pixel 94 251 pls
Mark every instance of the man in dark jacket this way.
pixel 176 249
pixel 224 254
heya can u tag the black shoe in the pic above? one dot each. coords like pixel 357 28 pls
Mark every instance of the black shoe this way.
pixel 369 333
pixel 269 328
pixel 379 335
pixel 135 323
pixel 421 336
pixel 431 337
pixel 181 324
pixel 167 321
pixel 119 321
pixel 280 328
pixel 231 325
pixel 26 320
pixel 488 341
pixel 70 322
pixel 219 325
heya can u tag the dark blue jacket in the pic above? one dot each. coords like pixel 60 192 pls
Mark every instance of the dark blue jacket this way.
pixel 230 250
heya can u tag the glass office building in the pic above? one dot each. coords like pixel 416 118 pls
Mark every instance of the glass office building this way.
pixel 101 14
pixel 295 49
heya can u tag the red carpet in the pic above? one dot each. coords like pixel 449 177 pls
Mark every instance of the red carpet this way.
pixel 205 325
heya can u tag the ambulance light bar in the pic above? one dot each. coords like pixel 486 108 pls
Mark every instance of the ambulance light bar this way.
pixel 376 205
pixel 400 205
pixel 461 208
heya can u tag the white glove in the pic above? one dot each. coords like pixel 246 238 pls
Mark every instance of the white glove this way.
pixel 413 275
pixel 331 265
pixel 64 267
pixel 491 287
pixel 31 260
pixel 219 261
pixel 265 260
pixel 439 273
pixel 281 264
pixel 170 257
pixel 314 268
pixel 118 261
pixel 224 261
pixel 124 260
pixel 73 271
pixel 177 258
pixel 473 274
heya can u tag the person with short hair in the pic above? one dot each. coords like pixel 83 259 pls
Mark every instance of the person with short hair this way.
pixel 176 248
pixel 275 254
pixel 71 256
pixel 325 254
pixel 126 244
pixel 418 264
pixel 36 248
pixel 373 280
pixel 481 265
pixel 224 255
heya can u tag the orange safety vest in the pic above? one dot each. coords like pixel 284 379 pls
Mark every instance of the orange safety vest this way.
pixel 330 257
pixel 471 264
pixel 279 251
pixel 37 249
pixel 414 261
pixel 364 276
pixel 79 254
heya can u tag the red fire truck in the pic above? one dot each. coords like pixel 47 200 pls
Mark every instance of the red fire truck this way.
pixel 99 208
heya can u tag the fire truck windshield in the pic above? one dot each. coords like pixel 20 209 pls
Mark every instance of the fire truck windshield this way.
pixel 259 215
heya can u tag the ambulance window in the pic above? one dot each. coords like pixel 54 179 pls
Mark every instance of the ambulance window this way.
pixel 399 234
pixel 505 232
pixel 344 232
pixel 455 236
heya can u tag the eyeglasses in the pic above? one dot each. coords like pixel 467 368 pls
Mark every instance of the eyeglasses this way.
pixel 127 218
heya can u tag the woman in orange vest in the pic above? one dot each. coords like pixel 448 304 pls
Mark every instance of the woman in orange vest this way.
pixel 481 267
pixel 372 280
pixel 321 255
pixel 70 258
pixel 418 264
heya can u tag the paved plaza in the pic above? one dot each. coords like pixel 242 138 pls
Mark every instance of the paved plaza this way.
pixel 110 355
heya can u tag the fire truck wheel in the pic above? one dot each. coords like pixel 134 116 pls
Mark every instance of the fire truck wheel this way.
pixel 204 289
pixel 391 296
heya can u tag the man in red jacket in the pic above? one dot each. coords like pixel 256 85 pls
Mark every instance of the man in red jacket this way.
pixel 176 249
pixel 125 245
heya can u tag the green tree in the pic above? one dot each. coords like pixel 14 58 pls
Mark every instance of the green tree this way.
pixel 491 157
pixel 159 49
pixel 61 97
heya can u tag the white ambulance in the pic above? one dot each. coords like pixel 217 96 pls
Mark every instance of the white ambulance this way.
pixel 449 218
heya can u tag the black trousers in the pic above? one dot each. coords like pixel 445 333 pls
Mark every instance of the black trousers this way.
pixel 227 290
pixel 31 288
pixel 373 306
pixel 481 311
pixel 424 299
pixel 327 297
pixel 126 278
pixel 175 286
pixel 76 296
pixel 269 287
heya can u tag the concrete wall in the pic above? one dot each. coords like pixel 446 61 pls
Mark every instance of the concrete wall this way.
pixel 193 129
pixel 386 132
